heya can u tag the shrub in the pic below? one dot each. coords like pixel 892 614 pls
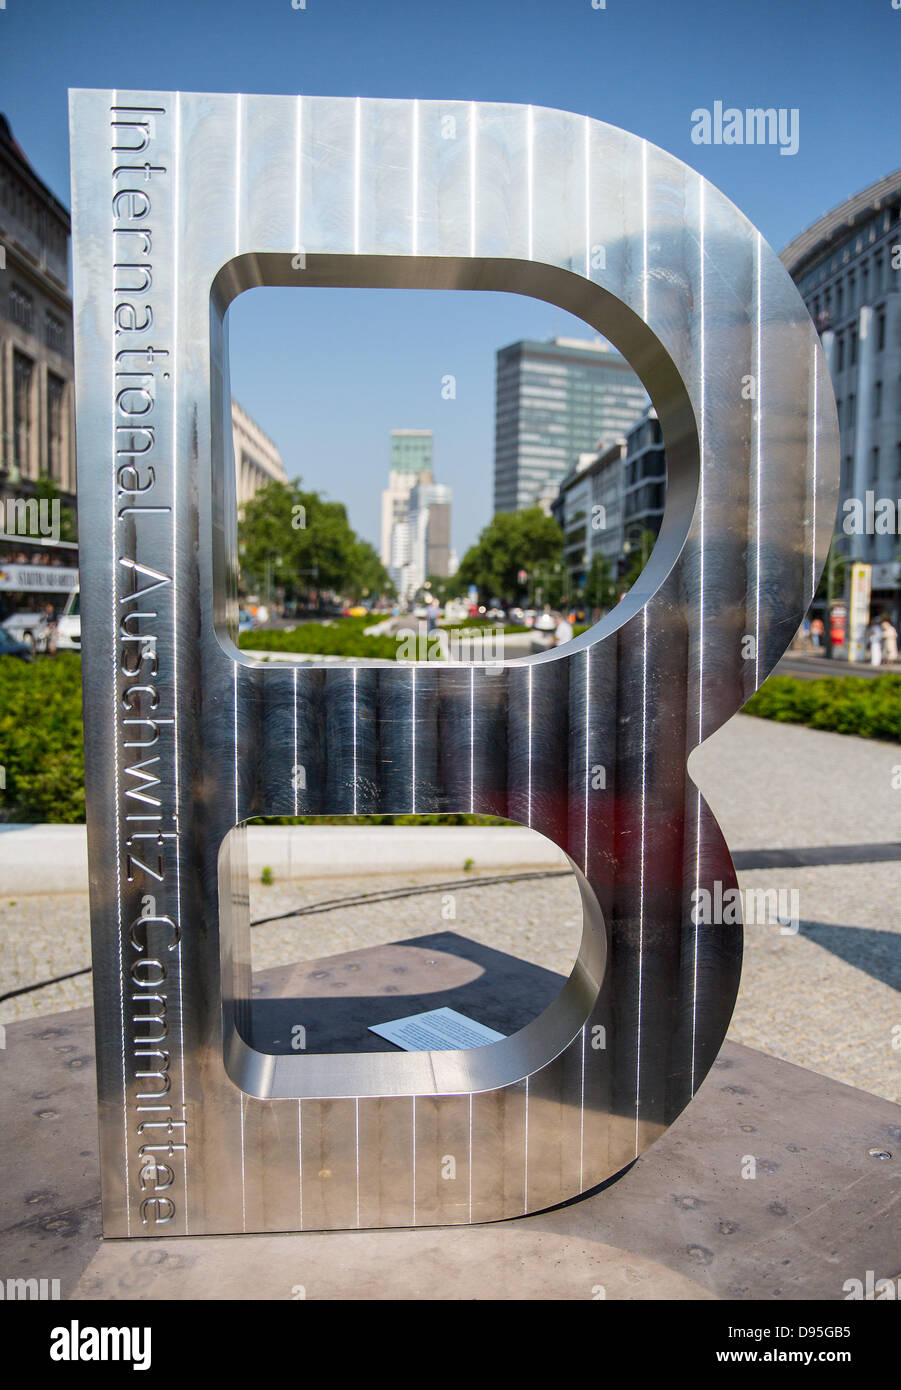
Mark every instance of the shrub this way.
pixel 869 707
pixel 345 638
pixel 41 740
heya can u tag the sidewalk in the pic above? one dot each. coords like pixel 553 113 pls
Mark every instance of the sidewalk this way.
pixel 811 664
pixel 802 810
pixel 48 859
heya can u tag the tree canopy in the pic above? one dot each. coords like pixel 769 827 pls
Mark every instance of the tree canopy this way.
pixel 297 540
pixel 513 541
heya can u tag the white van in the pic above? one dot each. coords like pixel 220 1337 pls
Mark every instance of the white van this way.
pixel 68 625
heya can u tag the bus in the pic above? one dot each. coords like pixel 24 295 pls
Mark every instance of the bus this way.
pixel 39 592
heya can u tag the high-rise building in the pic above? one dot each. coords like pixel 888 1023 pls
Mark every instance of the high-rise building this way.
pixel 610 498
pixel 847 266
pixel 411 451
pixel 36 368
pixel 644 480
pixel 415 514
pixel 411 462
pixel 429 526
pixel 554 401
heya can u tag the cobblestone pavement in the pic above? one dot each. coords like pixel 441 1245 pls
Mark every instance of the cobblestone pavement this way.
pixel 825 996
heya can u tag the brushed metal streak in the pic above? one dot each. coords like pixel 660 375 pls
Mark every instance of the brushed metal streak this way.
pixel 180 203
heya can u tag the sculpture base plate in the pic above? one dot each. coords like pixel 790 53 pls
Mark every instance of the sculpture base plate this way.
pixel 681 1223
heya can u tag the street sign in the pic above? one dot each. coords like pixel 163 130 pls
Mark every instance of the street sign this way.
pixel 860 611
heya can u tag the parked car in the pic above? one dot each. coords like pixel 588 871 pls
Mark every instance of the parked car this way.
pixel 10 647
pixel 29 628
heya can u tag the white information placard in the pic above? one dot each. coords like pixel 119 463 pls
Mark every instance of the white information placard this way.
pixel 437 1030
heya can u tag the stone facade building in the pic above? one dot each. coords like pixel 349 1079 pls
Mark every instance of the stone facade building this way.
pixel 37 412
pixel 847 266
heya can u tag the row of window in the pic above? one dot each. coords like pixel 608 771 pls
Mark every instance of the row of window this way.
pixel 853 246
pixel 847 409
pixel 645 499
pixel 21 311
pixel 651 464
pixel 23 412
pixel 32 213
pixel 848 340
pixel 874 462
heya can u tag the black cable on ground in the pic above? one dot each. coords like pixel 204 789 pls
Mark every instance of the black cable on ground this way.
pixel 333 905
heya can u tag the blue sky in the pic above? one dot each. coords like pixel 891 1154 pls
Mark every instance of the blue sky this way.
pixel 371 361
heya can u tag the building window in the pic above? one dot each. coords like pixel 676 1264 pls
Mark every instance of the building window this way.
pixel 874 464
pixel 839 301
pixel 852 408
pixel 56 394
pixel 877 398
pixel 21 307
pixel 853 347
pixel 898 460
pixel 880 332
pixel 852 290
pixel 23 379
pixel 54 333
pixel 840 352
pixel 847 471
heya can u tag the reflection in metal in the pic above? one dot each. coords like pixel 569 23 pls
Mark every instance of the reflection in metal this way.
pixel 182 201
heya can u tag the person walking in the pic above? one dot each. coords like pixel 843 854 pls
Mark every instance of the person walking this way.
pixel 816 633
pixel 874 641
pixel 889 640
pixel 563 631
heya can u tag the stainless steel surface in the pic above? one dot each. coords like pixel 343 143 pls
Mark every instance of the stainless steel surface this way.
pixel 180 202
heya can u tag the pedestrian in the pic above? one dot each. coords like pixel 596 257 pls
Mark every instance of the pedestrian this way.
pixel 816 633
pixel 874 641
pixel 563 631
pixel 889 640
pixel 51 630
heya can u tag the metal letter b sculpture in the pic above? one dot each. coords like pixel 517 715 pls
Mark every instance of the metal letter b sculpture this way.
pixel 182 201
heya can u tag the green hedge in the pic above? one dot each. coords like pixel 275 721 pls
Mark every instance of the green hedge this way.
pixel 869 707
pixel 345 638
pixel 40 739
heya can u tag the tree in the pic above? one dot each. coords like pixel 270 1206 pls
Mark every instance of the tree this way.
pixel 298 540
pixel 638 558
pixel 443 587
pixel 368 575
pixel 46 489
pixel 600 590
pixel 832 580
pixel 513 541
